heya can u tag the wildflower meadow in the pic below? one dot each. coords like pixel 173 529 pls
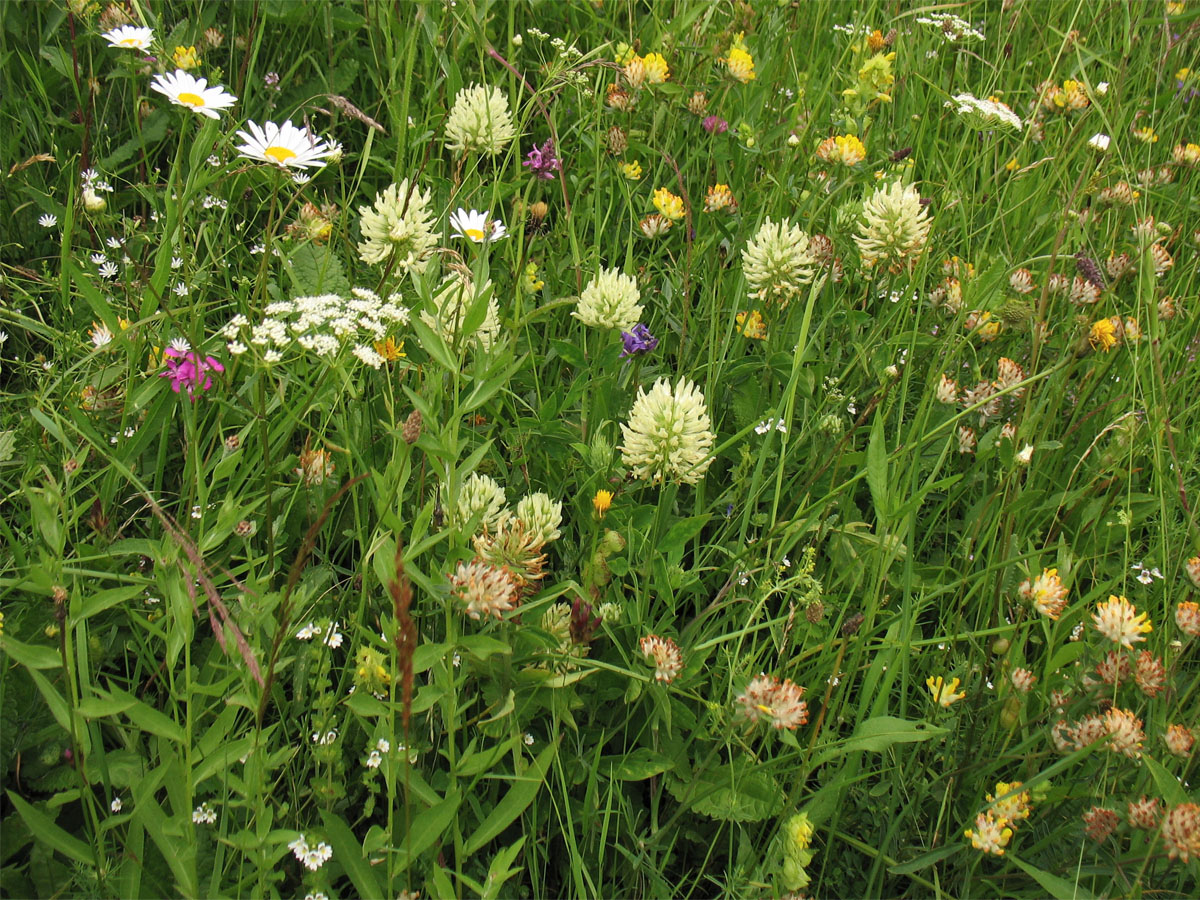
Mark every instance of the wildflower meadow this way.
pixel 585 448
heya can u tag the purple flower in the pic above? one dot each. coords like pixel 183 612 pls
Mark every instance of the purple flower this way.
pixel 715 125
pixel 638 341
pixel 189 370
pixel 542 162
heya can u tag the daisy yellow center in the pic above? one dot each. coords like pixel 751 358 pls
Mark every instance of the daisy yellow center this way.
pixel 191 99
pixel 475 234
pixel 130 42
pixel 279 154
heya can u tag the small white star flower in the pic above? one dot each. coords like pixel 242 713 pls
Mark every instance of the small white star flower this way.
pixel 108 270
pixel 116 804
pixel 48 220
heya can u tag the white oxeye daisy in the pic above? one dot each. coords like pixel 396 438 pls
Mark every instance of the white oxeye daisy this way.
pixel 129 37
pixel 48 220
pixel 283 145
pixel 183 89
pixel 476 226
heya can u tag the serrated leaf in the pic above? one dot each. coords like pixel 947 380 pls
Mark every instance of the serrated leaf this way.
pixel 8 443
pixel 314 269
pixel 736 793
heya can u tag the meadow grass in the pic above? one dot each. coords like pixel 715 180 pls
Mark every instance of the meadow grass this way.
pixel 346 554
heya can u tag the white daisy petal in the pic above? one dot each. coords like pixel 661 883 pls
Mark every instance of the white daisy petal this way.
pixel 476 226
pixel 129 37
pixel 283 145
pixel 183 89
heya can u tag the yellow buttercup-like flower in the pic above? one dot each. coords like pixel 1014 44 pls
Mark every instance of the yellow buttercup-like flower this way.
pixel 186 57
pixel 656 68
pixel 740 64
pixel 943 692
pixel 632 170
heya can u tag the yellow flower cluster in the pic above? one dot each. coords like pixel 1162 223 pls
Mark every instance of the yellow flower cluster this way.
pixel 739 62
pixel 668 204
pixel 845 149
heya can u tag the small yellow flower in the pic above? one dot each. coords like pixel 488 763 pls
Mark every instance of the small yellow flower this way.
pixel 1146 135
pixel 390 350
pixel 740 65
pixel 530 281
pixel 845 149
pixel 1012 165
pixel 186 57
pixel 751 325
pixel 719 197
pixel 668 204
pixel 943 693
pixel 656 68
pixel 601 502
pixel 632 170
pixel 624 53
pixel 1103 335
pixel 1183 74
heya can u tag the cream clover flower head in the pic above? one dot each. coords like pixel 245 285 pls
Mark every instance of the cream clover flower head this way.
pixel 541 517
pixel 479 495
pixel 778 262
pixel 129 37
pixel 894 229
pixel 610 301
pixel 283 145
pixel 479 121
pixel 484 589
pixel 183 89
pixel 399 223
pixel 669 435
pixel 453 302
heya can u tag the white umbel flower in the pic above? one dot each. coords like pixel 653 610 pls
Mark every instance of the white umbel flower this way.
pixel 399 223
pixel 895 228
pixel 129 37
pixel 778 262
pixel 541 517
pixel 479 121
pixel 453 302
pixel 283 145
pixel 669 434
pixel 610 301
pixel 984 114
pixel 183 89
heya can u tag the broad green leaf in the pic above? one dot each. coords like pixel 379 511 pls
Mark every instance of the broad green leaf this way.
pixel 45 830
pixel 1168 785
pixel 877 734
pixel 637 765
pixel 102 600
pixel 525 787
pixel 32 656
pixel 1058 888
pixel 349 854
pixel 680 533
pixel 427 828
pixel 877 466
pixel 737 792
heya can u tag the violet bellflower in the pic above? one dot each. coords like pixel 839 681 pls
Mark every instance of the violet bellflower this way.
pixel 638 341
pixel 542 162
pixel 189 371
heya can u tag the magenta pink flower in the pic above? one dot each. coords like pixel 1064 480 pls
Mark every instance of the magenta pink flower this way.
pixel 189 370
pixel 715 125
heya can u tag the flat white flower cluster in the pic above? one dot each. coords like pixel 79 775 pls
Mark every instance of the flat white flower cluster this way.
pixel 322 325
pixel 983 114
pixel 954 30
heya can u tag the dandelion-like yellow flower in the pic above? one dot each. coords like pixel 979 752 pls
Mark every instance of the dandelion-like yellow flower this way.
pixel 845 149
pixel 632 170
pixel 740 64
pixel 943 692
pixel 1103 335
pixel 601 502
pixel 668 204
pixel 656 68
pixel 1119 621
pixel 991 833
pixel 186 57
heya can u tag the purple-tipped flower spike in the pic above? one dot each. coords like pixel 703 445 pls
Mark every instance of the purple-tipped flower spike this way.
pixel 542 162
pixel 638 341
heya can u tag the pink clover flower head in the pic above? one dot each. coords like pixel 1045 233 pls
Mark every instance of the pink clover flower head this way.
pixel 189 371
pixel 715 125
